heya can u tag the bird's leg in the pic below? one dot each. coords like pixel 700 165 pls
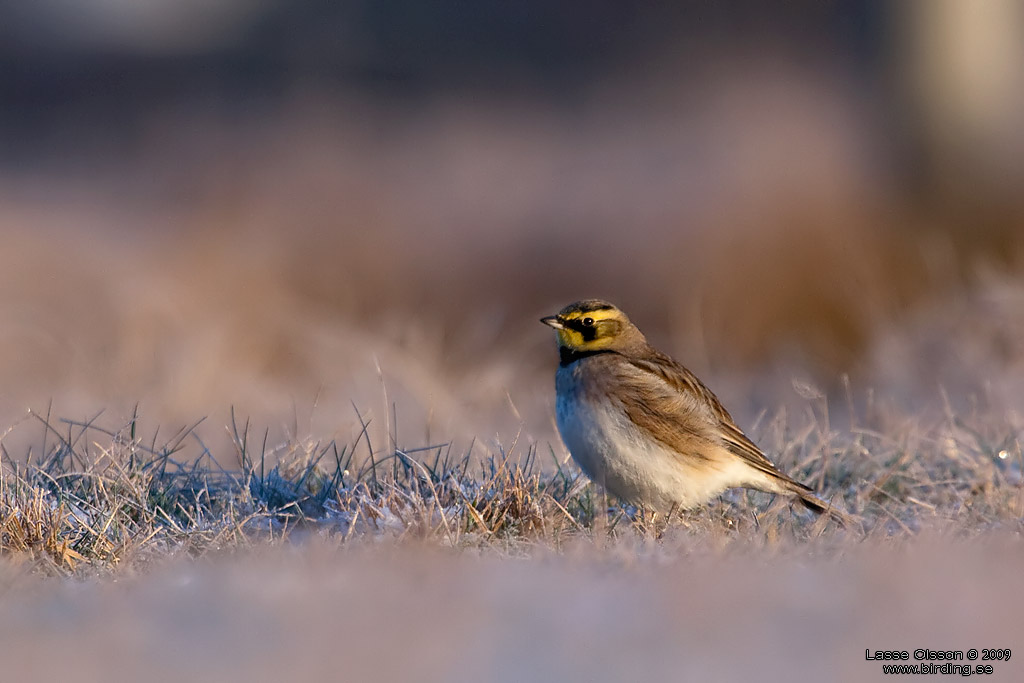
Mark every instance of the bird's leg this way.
pixel 652 528
pixel 601 527
pixel 645 521
pixel 668 519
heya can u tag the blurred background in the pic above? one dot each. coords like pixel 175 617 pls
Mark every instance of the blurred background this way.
pixel 291 207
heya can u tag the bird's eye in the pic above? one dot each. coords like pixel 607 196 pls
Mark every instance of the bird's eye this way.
pixel 588 322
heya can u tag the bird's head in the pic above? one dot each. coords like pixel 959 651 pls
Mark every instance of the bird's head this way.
pixel 593 325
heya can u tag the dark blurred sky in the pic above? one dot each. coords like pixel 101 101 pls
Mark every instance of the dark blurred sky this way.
pixel 54 52
pixel 940 84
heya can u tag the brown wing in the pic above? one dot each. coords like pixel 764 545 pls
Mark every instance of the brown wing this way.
pixel 686 408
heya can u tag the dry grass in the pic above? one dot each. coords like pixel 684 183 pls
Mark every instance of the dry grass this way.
pixel 92 498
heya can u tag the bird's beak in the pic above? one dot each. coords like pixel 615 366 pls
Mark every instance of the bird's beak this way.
pixel 553 321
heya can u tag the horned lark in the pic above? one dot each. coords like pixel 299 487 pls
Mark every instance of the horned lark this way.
pixel 643 426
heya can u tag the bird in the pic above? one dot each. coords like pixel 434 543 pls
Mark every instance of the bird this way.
pixel 647 429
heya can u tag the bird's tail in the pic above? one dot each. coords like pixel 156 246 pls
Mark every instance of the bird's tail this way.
pixel 817 505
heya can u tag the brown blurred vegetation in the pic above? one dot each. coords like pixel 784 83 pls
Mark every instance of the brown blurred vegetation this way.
pixel 759 213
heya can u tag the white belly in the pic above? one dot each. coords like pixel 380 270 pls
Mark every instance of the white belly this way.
pixel 615 454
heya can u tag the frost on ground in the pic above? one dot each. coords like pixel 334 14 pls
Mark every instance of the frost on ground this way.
pixel 681 609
